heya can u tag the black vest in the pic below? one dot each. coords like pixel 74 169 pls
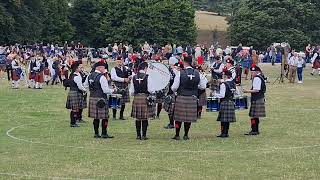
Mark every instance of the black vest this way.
pixel 260 94
pixel 32 65
pixel 73 84
pixel 173 75
pixel 142 86
pixel 215 74
pixel 189 86
pixel 122 73
pixel 229 94
pixel 95 86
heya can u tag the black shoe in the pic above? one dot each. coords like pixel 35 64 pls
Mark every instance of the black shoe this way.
pixel 157 117
pixel 106 136
pixel 97 136
pixel 186 138
pixel 311 74
pixel 144 138
pixel 223 136
pixel 138 138
pixel 251 133
pixel 169 126
pixel 176 138
pixel 81 121
pixel 122 118
pixel 74 125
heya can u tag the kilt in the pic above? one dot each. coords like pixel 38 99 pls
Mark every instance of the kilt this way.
pixel 15 75
pixel 46 71
pixel 74 100
pixel 169 107
pixel 39 77
pixel 140 110
pixel 186 109
pixel 257 108
pixel 32 76
pixel 95 112
pixel 227 112
pixel 316 64
pixel 123 89
pixel 84 102
pixel 202 99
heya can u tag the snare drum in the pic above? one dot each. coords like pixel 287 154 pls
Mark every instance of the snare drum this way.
pixel 213 104
pixel 241 102
pixel 115 101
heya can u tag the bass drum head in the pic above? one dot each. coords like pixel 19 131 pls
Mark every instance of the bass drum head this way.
pixel 160 76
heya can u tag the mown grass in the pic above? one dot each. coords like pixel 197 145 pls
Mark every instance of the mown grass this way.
pixel 293 122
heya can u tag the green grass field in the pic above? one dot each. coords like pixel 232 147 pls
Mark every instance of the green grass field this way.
pixel 36 141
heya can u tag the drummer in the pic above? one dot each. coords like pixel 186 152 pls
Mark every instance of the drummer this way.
pixel 120 77
pixel 227 113
pixel 169 105
pixel 257 108
pixel 140 87
pixel 186 84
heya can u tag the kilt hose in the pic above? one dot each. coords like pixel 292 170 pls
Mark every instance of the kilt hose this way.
pixel 186 109
pixel 140 109
pixel 123 89
pixel 74 100
pixel 169 107
pixel 202 99
pixel 257 108
pixel 227 111
pixel 95 112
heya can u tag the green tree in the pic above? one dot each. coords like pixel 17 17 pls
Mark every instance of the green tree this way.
pixel 262 22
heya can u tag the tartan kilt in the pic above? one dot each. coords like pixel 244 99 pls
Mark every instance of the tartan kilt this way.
pixel 95 112
pixel 169 108
pixel 316 64
pixel 32 76
pixel 84 102
pixel 140 109
pixel 74 100
pixel 227 112
pixel 257 108
pixel 125 95
pixel 39 77
pixel 185 109
pixel 202 99
pixel 46 71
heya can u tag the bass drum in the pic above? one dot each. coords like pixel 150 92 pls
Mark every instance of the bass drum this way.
pixel 160 75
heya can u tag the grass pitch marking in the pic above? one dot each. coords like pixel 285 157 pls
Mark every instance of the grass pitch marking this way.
pixel 154 151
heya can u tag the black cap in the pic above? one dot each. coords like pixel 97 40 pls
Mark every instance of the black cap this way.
pixel 188 59
pixel 143 66
pixel 75 65
pixel 255 68
pixel 229 61
pixel 180 65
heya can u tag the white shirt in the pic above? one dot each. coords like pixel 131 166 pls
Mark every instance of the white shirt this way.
pixel 300 62
pixel 103 82
pixel 114 75
pixel 176 83
pixel 220 70
pixel 78 80
pixel 173 60
pixel 222 91
pixel 256 84
pixel 293 61
pixel 131 89
pixel 14 64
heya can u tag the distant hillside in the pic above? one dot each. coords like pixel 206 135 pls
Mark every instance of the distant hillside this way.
pixel 211 28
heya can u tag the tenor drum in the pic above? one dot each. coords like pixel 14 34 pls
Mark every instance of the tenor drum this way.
pixel 115 101
pixel 241 102
pixel 160 75
pixel 213 104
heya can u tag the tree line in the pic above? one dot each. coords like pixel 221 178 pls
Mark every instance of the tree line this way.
pixel 96 23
